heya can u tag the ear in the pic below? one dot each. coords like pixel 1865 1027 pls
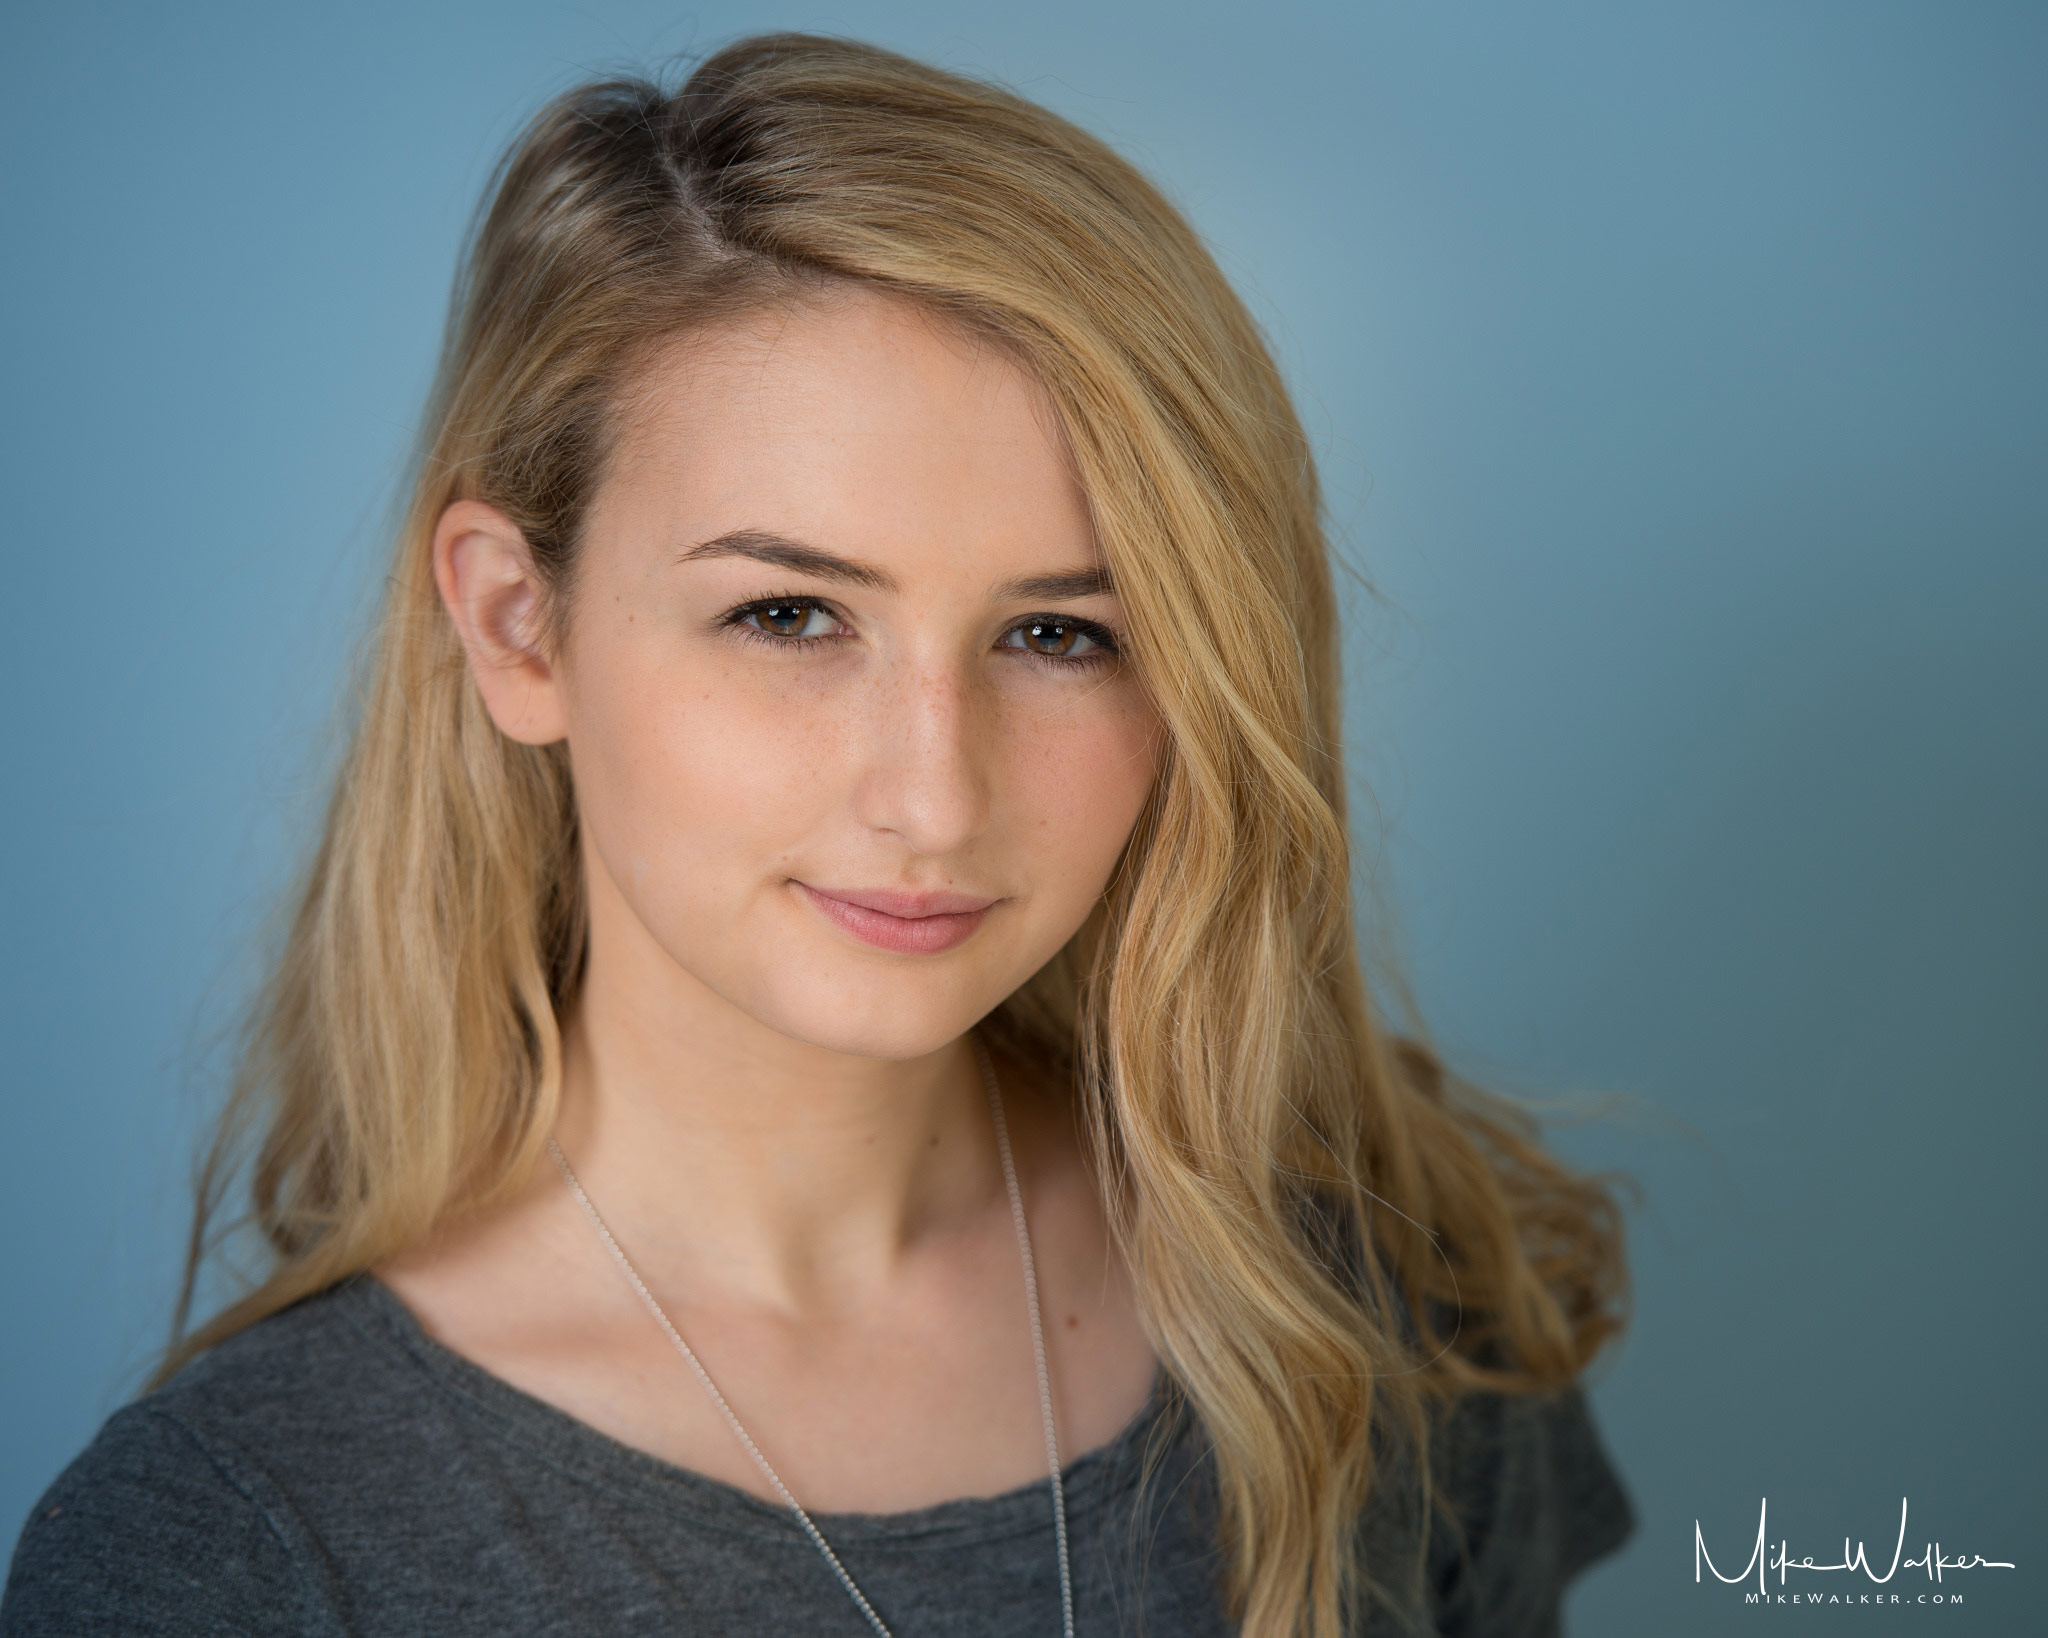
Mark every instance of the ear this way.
pixel 484 571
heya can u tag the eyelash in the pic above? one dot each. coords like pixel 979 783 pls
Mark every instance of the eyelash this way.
pixel 1105 650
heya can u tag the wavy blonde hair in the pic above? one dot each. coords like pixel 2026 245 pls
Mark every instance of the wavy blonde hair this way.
pixel 1326 1231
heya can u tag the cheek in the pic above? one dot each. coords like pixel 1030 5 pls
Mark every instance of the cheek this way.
pixel 688 787
pixel 1074 787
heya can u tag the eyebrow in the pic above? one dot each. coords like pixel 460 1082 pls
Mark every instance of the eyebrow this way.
pixel 1078 583
pixel 784 553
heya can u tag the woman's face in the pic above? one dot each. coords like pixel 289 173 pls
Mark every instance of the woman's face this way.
pixel 854 748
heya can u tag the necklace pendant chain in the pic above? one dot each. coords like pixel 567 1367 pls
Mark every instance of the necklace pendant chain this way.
pixel 803 1519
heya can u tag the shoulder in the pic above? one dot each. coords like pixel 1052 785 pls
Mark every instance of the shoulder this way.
pixel 1530 1498
pixel 149 1532
pixel 174 1520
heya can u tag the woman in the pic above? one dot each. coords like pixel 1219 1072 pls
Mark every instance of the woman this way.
pixel 821 1079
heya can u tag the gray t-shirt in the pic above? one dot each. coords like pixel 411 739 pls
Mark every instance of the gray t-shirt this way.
pixel 334 1470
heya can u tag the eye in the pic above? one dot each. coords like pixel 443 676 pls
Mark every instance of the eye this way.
pixel 1053 638
pixel 789 617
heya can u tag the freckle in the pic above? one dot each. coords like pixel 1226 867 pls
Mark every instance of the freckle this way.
pixel 1073 1322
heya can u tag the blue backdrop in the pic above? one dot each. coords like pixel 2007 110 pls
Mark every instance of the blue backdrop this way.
pixel 1680 377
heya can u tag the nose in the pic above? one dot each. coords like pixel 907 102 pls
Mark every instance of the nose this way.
pixel 929 736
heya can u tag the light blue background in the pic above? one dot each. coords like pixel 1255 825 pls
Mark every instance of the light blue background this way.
pixel 1681 382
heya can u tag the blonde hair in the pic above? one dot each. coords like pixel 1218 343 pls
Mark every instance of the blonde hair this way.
pixel 1326 1231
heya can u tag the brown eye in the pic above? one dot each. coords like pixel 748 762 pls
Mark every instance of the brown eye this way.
pixel 1054 639
pixel 786 619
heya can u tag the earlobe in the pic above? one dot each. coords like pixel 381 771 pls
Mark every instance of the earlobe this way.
pixel 484 571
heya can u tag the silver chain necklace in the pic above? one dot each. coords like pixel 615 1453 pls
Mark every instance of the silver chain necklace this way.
pixel 803 1519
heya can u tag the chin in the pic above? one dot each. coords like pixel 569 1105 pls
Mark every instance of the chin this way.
pixel 886 1019
pixel 888 1034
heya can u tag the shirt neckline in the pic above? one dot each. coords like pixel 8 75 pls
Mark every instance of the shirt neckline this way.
pixel 570 1444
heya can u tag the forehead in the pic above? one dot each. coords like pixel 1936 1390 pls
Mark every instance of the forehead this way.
pixel 856 419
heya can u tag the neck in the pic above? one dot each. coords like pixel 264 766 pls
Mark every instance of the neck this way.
pixel 723 1151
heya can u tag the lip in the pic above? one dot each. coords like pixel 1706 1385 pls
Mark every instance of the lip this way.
pixel 905 923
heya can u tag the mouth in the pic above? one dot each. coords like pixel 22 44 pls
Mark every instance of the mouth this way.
pixel 904 923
